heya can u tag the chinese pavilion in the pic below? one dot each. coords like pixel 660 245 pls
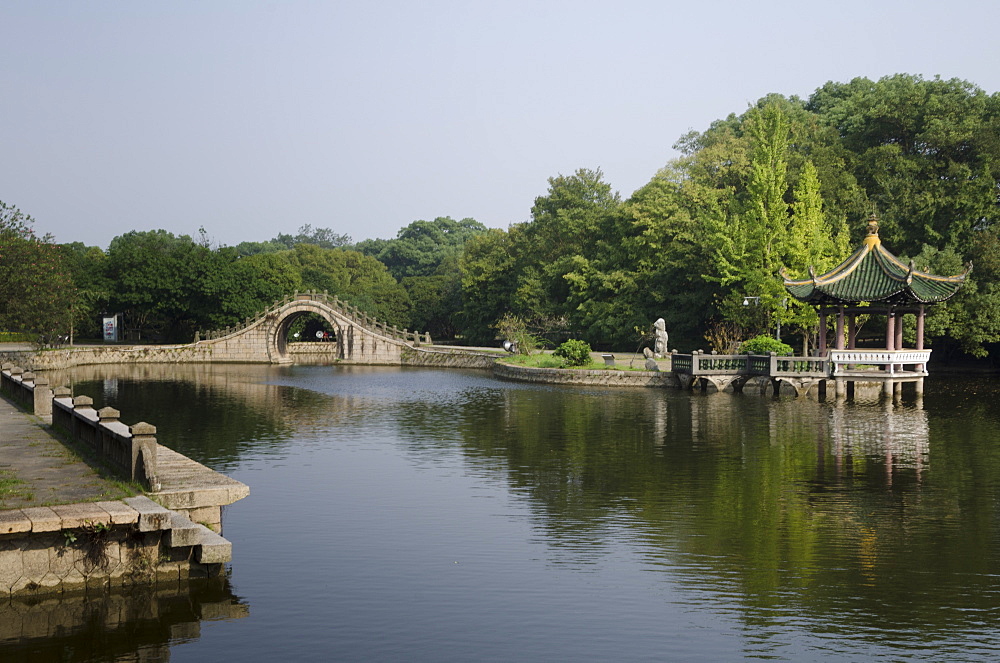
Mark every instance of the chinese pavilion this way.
pixel 874 281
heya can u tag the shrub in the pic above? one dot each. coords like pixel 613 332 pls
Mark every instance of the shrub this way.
pixel 514 329
pixel 762 345
pixel 576 353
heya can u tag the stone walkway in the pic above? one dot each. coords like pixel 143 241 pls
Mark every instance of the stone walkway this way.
pixel 50 473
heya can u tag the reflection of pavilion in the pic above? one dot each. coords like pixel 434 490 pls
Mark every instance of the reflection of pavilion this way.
pixel 872 280
pixel 903 439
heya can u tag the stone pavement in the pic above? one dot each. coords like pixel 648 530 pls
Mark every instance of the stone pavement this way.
pixel 50 472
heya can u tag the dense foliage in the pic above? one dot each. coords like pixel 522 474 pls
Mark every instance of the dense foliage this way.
pixel 788 184
pixel 36 291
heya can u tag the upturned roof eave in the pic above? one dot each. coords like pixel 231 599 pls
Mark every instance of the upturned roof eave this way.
pixel 820 290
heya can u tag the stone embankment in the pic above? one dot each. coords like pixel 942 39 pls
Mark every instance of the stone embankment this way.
pixel 59 547
pixel 583 377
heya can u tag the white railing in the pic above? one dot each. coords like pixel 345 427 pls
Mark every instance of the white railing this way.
pixel 890 361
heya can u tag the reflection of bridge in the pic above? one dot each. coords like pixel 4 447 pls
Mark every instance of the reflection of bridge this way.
pixel 844 367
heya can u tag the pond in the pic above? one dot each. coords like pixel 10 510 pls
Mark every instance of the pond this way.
pixel 442 515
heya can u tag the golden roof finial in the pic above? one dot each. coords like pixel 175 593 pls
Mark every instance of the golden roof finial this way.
pixel 872 240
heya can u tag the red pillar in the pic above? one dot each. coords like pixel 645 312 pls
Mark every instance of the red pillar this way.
pixel 852 331
pixel 822 332
pixel 890 329
pixel 920 328
pixel 840 329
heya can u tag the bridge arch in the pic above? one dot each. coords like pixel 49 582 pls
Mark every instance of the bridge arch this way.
pixel 277 335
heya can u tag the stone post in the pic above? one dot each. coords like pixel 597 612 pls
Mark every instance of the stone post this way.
pixel 81 404
pixel 144 455
pixel 43 397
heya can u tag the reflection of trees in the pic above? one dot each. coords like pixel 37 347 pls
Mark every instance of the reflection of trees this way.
pixel 139 625
pixel 208 412
pixel 792 501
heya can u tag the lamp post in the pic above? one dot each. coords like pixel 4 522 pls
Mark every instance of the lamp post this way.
pixel 784 305
pixel 748 300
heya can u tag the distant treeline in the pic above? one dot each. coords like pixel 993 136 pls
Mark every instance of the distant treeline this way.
pixel 788 183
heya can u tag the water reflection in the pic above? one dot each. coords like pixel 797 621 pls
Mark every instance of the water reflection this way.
pixel 141 625
pixel 846 525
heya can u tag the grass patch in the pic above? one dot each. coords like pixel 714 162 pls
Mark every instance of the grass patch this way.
pixel 16 337
pixel 12 488
pixel 117 488
pixel 546 360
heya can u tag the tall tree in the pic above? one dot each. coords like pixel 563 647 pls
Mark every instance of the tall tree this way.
pixel 36 289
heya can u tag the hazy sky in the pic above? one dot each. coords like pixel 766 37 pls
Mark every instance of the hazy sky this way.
pixel 254 118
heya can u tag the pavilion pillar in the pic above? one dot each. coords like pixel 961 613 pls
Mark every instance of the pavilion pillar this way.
pixel 920 328
pixel 890 330
pixel 920 346
pixel 852 331
pixel 839 344
pixel 822 332
pixel 899 332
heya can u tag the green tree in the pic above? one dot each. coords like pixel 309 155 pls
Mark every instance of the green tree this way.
pixel 489 280
pixel 155 274
pixel 927 152
pixel 424 248
pixel 36 289
pixel 357 278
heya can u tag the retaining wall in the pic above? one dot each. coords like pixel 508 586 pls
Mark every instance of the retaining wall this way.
pixel 96 545
pixel 582 377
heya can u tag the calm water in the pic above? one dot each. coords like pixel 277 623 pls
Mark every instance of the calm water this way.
pixel 433 515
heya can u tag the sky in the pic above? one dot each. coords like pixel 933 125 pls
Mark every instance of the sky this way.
pixel 250 119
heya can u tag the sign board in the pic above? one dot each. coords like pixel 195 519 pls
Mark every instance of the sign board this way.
pixel 111 329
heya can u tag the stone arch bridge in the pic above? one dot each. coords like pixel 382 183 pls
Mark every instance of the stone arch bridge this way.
pixel 356 336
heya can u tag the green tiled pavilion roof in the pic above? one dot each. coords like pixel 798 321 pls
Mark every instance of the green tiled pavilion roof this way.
pixel 872 274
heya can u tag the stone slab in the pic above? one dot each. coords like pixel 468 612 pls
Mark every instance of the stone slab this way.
pixel 43 519
pixel 183 532
pixel 121 513
pixel 80 515
pixel 212 548
pixel 14 522
pixel 152 516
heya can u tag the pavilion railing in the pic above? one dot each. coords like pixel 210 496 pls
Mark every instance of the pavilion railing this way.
pixel 838 363
pixel 850 363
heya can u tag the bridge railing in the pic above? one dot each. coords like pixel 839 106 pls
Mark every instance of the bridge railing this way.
pixel 346 309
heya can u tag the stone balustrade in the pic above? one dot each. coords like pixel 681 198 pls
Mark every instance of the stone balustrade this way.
pixel 131 451
pixel 28 390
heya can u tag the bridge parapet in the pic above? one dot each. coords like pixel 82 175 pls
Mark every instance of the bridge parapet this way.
pixel 345 309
